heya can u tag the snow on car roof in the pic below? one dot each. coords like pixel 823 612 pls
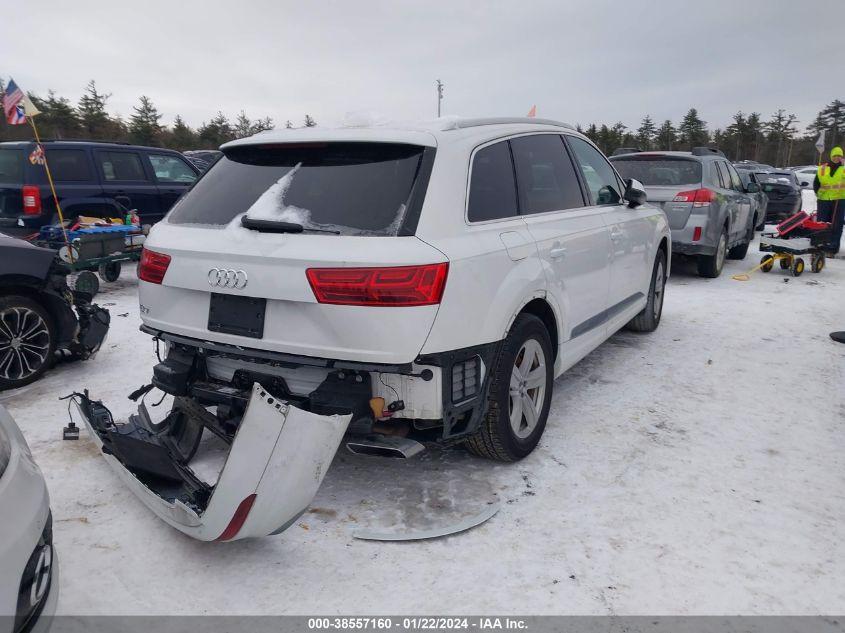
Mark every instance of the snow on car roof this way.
pixel 426 133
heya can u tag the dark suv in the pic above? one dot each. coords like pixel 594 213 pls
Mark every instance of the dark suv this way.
pixel 93 179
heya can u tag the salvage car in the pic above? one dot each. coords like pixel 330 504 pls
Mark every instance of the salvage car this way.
pixel 29 582
pixel 406 286
pixel 41 319
pixel 711 213
pixel 784 193
pixel 94 179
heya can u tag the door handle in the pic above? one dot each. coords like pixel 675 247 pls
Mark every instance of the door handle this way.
pixel 557 252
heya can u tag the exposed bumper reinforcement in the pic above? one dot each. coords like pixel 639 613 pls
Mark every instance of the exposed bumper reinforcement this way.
pixel 276 463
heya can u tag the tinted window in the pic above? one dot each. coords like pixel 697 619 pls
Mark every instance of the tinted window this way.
pixel 492 192
pixel 69 165
pixel 601 179
pixel 546 176
pixel 659 171
pixel 121 166
pixel 171 169
pixel 11 165
pixel 353 188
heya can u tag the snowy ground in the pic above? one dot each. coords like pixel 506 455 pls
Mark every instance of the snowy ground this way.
pixel 696 470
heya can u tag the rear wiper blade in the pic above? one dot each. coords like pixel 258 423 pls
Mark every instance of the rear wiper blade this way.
pixel 279 226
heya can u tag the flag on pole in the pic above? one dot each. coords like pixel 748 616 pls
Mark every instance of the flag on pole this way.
pixel 13 107
pixel 29 108
pixel 532 112
pixel 820 142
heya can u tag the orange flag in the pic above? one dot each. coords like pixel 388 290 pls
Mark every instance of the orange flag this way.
pixel 532 112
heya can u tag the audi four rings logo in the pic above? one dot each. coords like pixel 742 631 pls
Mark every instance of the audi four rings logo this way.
pixel 227 278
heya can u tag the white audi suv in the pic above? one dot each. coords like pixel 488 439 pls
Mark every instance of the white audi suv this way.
pixel 399 287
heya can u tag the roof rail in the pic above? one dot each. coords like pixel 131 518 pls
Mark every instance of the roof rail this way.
pixel 79 140
pixel 708 151
pixel 619 151
pixel 460 124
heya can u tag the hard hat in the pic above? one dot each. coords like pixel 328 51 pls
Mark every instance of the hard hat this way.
pixel 836 151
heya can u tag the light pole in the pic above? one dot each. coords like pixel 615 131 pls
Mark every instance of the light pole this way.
pixel 439 96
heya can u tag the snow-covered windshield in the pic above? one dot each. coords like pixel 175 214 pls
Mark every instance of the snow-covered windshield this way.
pixel 348 188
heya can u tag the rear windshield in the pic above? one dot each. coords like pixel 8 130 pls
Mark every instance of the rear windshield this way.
pixel 349 188
pixel 659 171
pixel 11 165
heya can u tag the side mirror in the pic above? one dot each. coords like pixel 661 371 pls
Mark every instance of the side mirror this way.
pixel 752 187
pixel 635 193
pixel 804 183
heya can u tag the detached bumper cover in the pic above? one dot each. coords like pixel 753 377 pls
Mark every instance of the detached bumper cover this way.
pixel 276 463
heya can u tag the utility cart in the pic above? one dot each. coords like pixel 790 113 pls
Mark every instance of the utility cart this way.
pixel 96 248
pixel 798 235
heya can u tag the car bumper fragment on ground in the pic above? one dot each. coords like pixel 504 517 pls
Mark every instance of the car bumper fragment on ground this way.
pixel 276 463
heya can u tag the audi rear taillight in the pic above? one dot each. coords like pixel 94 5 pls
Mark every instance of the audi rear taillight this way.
pixel 698 197
pixel 391 286
pixel 153 265
pixel 31 200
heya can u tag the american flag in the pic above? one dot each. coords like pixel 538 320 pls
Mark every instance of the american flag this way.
pixel 12 104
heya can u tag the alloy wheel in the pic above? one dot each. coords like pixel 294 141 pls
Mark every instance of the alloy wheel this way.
pixel 24 343
pixel 527 391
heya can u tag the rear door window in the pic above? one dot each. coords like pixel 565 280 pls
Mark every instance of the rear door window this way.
pixel 171 169
pixel 660 171
pixel 69 165
pixel 545 173
pixel 601 180
pixel 351 188
pixel 11 165
pixel 736 183
pixel 492 190
pixel 121 167
pixel 724 179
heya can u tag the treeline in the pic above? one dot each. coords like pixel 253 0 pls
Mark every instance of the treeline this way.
pixel 89 119
pixel 775 141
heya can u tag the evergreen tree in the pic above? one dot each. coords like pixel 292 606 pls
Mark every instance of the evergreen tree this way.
pixel 58 118
pixel 692 132
pixel 92 113
pixel 754 128
pixel 288 125
pixel 216 132
pixel 263 125
pixel 667 136
pixel 181 136
pixel 309 122
pixel 832 119
pixel 144 126
pixel 592 133
pixel 780 131
pixel 646 133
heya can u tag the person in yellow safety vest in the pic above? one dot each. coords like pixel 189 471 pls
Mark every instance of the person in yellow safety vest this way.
pixel 829 186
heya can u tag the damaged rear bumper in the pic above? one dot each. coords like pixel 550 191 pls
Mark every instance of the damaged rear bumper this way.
pixel 276 461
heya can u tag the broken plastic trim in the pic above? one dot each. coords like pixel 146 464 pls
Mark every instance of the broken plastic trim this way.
pixel 278 459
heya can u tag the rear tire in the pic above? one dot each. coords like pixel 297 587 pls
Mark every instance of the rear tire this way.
pixel 711 265
pixel 516 410
pixel 740 251
pixel 27 341
pixel 767 262
pixel 797 267
pixel 649 318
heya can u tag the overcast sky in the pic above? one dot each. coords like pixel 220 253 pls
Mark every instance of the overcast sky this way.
pixel 591 60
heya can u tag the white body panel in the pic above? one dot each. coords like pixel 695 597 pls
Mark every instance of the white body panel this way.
pixel 275 264
pixel 280 454
pixel 25 508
